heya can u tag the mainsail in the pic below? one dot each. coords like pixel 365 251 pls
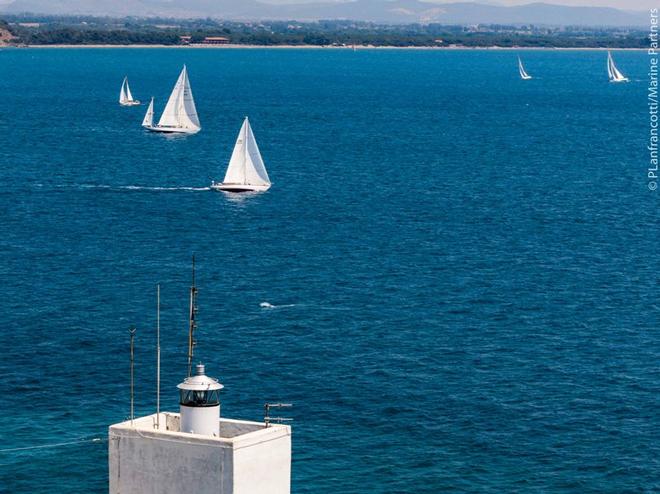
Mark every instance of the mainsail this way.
pixel 180 111
pixel 129 96
pixel 612 72
pixel 246 166
pixel 122 93
pixel 524 75
pixel 149 116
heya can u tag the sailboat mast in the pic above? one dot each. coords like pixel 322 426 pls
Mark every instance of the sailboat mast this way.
pixel 192 323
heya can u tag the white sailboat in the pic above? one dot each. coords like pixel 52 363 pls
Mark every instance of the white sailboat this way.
pixel 125 96
pixel 523 75
pixel 246 171
pixel 180 114
pixel 612 72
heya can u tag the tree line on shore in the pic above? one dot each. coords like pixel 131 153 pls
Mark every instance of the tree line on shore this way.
pixel 41 30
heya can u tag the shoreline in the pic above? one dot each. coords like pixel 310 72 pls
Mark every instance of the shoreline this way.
pixel 327 47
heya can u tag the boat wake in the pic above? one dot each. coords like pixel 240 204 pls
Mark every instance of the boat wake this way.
pixel 268 305
pixel 139 187
pixel 125 187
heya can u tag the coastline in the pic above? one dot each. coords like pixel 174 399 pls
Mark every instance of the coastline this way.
pixel 327 47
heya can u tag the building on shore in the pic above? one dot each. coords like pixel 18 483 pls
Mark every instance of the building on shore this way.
pixel 215 40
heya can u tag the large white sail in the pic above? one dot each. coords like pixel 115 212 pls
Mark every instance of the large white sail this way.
pixel 122 93
pixel 523 75
pixel 180 111
pixel 246 167
pixel 188 109
pixel 149 116
pixel 612 72
pixel 129 96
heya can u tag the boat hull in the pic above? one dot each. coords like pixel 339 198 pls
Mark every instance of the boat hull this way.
pixel 625 79
pixel 170 130
pixel 237 188
pixel 130 103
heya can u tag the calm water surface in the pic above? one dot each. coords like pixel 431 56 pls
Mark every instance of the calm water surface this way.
pixel 464 265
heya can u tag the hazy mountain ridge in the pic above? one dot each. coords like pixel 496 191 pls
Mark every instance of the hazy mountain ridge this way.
pixel 395 11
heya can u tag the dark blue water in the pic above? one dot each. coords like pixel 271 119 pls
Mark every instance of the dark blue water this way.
pixel 464 264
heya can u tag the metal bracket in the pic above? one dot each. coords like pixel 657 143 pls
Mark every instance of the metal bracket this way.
pixel 279 420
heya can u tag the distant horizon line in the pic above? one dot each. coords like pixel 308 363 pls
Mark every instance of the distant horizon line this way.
pixel 488 3
pixel 404 12
pixel 213 17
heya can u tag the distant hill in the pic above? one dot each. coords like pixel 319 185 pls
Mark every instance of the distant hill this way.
pixel 5 36
pixel 383 11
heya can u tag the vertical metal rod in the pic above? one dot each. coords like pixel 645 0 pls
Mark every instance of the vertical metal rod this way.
pixel 158 356
pixel 132 331
pixel 192 323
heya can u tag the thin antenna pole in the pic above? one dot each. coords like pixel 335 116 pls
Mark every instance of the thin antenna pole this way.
pixel 158 356
pixel 132 332
pixel 192 323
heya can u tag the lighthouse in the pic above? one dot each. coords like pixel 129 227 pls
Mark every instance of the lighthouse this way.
pixel 200 404
pixel 196 450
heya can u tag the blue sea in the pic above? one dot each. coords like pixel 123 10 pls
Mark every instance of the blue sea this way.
pixel 463 265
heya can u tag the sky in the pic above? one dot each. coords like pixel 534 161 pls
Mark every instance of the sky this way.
pixel 617 4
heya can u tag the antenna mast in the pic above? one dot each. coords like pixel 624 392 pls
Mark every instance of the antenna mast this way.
pixel 192 323
pixel 132 333
pixel 158 356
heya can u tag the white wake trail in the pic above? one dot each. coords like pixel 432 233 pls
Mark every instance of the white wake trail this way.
pixel 268 305
pixel 126 187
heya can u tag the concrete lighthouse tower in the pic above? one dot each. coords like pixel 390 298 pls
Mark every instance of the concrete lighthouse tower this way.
pixel 200 404
pixel 196 451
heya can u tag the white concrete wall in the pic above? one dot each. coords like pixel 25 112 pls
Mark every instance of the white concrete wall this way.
pixel 255 460
pixel 147 463
pixel 262 463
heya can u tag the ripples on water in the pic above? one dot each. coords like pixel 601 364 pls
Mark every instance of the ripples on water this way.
pixel 460 266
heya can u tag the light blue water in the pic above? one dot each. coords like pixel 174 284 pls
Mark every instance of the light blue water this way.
pixel 466 263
